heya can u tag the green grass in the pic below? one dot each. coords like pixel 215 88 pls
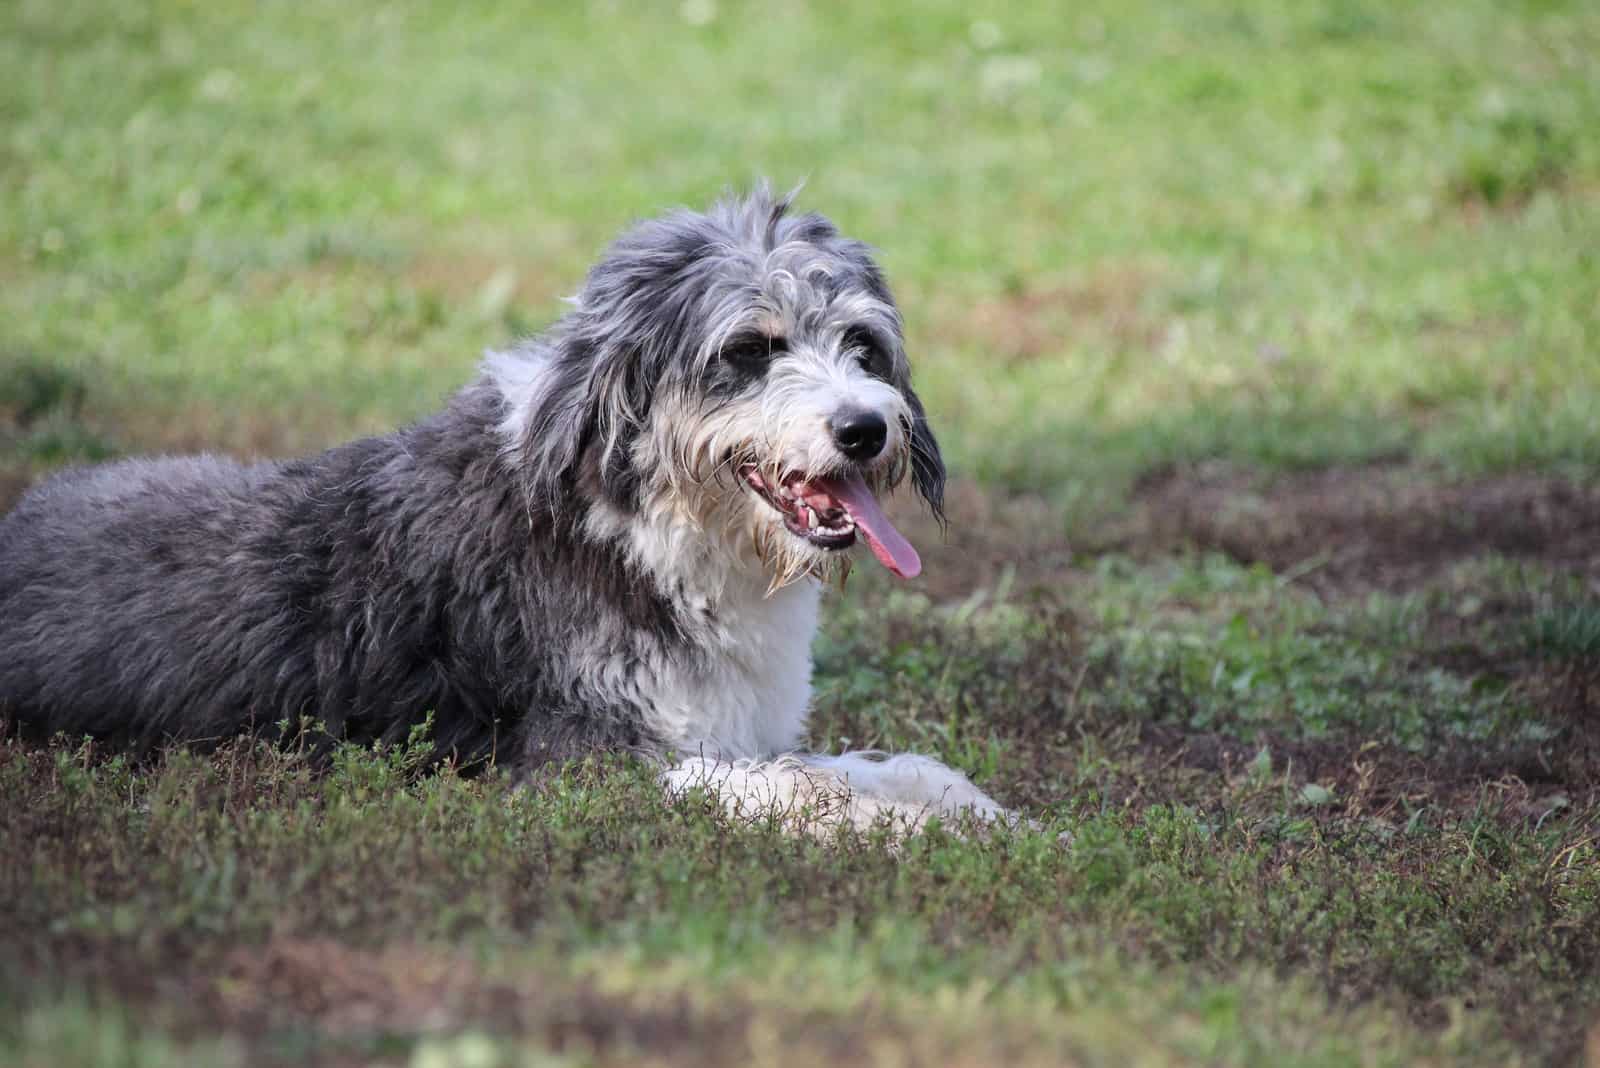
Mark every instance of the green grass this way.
pixel 1326 231
pixel 1154 932
pixel 1263 340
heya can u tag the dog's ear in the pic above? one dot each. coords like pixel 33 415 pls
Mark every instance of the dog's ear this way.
pixel 592 403
pixel 927 464
pixel 632 321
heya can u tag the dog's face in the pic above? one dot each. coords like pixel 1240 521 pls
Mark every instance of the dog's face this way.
pixel 742 372
pixel 802 415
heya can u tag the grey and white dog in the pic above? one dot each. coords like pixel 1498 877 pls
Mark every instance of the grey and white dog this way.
pixel 615 539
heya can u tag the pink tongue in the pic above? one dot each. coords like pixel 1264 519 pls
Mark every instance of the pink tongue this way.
pixel 887 543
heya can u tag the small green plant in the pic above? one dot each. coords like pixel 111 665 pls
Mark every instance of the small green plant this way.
pixel 1567 631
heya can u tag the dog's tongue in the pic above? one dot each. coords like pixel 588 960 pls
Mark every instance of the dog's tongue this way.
pixel 887 543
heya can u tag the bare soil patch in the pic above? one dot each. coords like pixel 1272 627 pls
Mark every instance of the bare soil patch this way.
pixel 1356 528
pixel 1106 305
pixel 1137 763
pixel 1341 532
pixel 988 537
pixel 1337 531
pixel 1374 780
pixel 1034 323
pixel 456 276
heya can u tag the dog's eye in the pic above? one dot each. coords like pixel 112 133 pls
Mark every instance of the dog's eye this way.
pixel 864 345
pixel 753 351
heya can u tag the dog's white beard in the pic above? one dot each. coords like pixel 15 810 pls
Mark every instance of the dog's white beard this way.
pixel 811 793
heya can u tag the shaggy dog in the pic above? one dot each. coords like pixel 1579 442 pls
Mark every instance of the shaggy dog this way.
pixel 615 539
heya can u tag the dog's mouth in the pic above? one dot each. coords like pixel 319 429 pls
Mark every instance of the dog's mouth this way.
pixel 828 511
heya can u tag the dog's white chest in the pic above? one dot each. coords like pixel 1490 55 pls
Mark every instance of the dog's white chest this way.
pixel 747 692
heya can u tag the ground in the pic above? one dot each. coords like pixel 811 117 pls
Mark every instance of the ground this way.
pixel 1265 345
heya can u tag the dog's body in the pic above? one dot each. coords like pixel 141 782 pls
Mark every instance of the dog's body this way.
pixel 615 539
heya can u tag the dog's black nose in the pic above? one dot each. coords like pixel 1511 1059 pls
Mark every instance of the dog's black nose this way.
pixel 859 433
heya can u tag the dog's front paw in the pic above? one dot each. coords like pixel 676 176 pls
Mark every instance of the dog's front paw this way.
pixel 812 793
pixel 910 779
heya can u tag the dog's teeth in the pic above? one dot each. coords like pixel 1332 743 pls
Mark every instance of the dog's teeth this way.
pixel 811 518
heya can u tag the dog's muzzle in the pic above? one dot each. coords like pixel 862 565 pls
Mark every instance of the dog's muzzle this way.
pixel 828 511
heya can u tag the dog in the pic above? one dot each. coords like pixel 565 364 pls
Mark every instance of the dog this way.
pixel 615 539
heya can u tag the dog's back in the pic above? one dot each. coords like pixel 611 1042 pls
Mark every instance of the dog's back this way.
pixel 114 582
pixel 363 589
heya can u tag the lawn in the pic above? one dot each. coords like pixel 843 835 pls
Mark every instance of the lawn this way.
pixel 1264 341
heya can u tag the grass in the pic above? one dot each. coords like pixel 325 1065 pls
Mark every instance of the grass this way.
pixel 1334 244
pixel 1263 341
pixel 253 876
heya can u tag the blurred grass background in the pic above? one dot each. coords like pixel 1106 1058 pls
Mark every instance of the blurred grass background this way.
pixel 1290 234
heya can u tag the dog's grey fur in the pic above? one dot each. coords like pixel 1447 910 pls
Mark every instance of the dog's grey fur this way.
pixel 483 565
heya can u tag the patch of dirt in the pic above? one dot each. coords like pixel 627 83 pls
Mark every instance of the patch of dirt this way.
pixel 1044 320
pixel 454 276
pixel 1379 781
pixel 1341 532
pixel 988 537
pixel 1142 763
pixel 1363 528
pixel 1060 739
pixel 1337 531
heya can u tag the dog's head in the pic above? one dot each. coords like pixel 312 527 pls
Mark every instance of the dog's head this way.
pixel 742 372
